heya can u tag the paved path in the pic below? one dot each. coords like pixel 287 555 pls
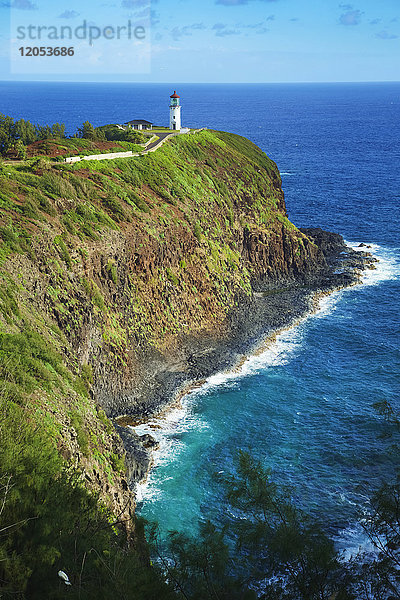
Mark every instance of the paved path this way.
pixel 162 137
pixel 149 148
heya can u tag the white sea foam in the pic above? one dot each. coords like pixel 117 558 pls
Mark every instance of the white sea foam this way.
pixel 326 305
pixel 166 430
pixel 277 353
pixel 353 541
pixel 387 267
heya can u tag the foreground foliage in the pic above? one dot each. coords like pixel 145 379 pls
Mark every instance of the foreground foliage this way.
pixel 49 522
pixel 268 549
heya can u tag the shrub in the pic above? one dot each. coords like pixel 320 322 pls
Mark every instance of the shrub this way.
pixel 20 150
pixel 112 270
pixel 101 415
pixel 68 224
pixel 29 210
pixel 87 374
pixel 39 165
pixel 172 277
pixel 115 208
pixel 94 293
pixel 28 361
pixel 45 205
pixel 139 202
pixel 118 463
pixel 63 250
pixel 14 240
pixel 81 435
pixel 56 185
pixel 197 231
pixel 8 304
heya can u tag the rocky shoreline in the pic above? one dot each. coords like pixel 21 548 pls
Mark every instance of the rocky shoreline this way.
pixel 274 306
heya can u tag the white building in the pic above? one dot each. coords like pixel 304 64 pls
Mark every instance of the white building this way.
pixel 139 124
pixel 174 112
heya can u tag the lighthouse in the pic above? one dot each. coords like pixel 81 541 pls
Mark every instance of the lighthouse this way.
pixel 174 112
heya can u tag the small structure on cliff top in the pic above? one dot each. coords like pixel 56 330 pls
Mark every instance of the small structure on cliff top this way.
pixel 139 124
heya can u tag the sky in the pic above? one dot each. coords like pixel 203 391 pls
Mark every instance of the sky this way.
pixel 225 41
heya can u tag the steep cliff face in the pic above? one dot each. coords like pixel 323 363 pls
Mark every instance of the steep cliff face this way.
pixel 123 282
pixel 146 273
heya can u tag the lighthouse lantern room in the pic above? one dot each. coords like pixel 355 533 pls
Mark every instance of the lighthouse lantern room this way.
pixel 174 112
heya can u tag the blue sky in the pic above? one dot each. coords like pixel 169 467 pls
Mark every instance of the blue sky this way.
pixel 211 40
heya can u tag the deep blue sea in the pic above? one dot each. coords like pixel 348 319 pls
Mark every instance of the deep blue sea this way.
pixel 304 405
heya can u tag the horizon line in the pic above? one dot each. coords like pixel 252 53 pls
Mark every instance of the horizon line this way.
pixel 199 82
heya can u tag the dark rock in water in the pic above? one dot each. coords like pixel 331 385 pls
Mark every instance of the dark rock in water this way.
pixel 138 458
pixel 148 441
pixel 362 245
pixel 346 263
pixel 329 243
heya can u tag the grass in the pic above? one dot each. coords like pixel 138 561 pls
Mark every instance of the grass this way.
pixel 94 293
pixel 63 250
pixel 14 239
pixel 81 146
pixel 112 270
pixel 27 362
pixel 210 188
pixel 8 304
pixel 76 420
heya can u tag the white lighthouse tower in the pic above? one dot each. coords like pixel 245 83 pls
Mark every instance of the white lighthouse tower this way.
pixel 174 112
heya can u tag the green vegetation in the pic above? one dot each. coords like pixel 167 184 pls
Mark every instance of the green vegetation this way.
pixel 21 139
pixel 86 131
pixel 28 362
pixel 167 196
pixel 272 546
pixel 14 239
pixel 115 207
pixel 63 250
pixel 100 261
pixel 112 269
pixel 8 303
pixel 114 133
pixel 23 132
pixel 82 438
pixel 49 522
pixel 94 293
pixel 265 547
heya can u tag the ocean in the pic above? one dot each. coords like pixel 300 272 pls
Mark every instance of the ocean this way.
pixel 303 406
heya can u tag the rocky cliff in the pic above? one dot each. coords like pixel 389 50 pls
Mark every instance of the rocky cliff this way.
pixel 139 276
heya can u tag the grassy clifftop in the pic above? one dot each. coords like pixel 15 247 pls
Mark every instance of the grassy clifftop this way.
pixel 136 253
pixel 101 262
pixel 176 228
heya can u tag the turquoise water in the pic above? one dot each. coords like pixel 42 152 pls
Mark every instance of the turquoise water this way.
pixel 304 406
